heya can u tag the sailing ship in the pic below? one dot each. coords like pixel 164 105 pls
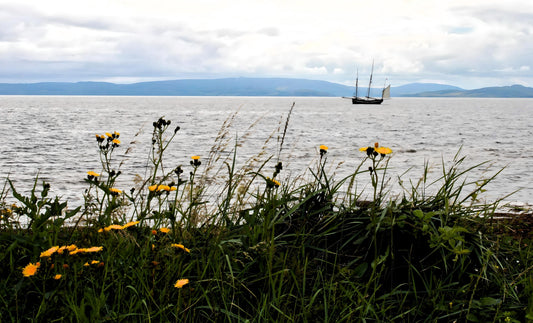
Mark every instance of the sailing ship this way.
pixel 356 99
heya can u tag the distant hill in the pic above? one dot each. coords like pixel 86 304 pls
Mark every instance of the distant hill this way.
pixel 252 87
pixel 513 91
pixel 189 87
pixel 415 88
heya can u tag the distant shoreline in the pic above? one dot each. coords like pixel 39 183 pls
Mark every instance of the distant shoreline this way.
pixel 253 87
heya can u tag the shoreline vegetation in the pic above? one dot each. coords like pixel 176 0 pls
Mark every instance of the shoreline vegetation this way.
pixel 213 241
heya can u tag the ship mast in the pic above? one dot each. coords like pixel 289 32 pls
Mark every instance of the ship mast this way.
pixel 356 81
pixel 370 83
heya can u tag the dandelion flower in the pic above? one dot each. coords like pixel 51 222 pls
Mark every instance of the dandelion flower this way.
pixel 115 190
pixel 116 141
pixel 70 248
pixel 180 246
pixel 181 282
pixel 86 264
pixel 116 133
pixel 129 224
pixel 164 230
pixel 95 262
pixel 94 249
pixel 377 148
pixel 49 252
pixel 114 227
pixel 272 182
pixel 30 269
pixel 173 188
pixel 109 135
pixel 91 173
pixel 152 188
pixel 323 150
pixel 57 277
pixel 163 188
pixel 383 150
pixel 196 161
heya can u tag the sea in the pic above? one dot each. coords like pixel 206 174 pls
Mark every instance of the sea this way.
pixel 53 138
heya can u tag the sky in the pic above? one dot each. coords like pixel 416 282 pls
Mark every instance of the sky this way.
pixel 470 44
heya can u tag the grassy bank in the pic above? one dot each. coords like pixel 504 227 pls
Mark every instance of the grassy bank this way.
pixel 262 248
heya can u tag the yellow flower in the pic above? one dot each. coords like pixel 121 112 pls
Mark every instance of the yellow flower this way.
pixel 109 135
pixel 377 149
pixel 49 252
pixel 116 141
pixel 164 230
pixel 30 269
pixel 195 157
pixel 173 188
pixel 94 249
pixel 114 227
pixel 95 262
pixel 272 182
pixel 324 147
pixel 86 264
pixel 86 250
pixel 115 190
pixel 58 276
pixel 383 150
pixel 163 188
pixel 116 133
pixel 91 173
pixel 152 188
pixel 129 224
pixel 181 282
pixel 180 246
pixel 72 247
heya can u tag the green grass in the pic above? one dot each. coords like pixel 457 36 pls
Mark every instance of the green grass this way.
pixel 267 250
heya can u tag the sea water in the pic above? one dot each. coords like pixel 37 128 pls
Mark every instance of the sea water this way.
pixel 53 137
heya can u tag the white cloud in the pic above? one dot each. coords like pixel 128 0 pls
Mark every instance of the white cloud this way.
pixel 467 44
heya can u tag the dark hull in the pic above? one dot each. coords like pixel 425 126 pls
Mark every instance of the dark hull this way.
pixel 366 101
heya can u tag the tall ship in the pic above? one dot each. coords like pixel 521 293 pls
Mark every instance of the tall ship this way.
pixel 356 99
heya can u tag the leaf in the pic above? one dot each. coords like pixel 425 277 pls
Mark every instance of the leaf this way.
pixel 489 301
pixel 361 269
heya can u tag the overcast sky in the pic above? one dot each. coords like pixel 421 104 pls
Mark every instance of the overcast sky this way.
pixel 471 44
